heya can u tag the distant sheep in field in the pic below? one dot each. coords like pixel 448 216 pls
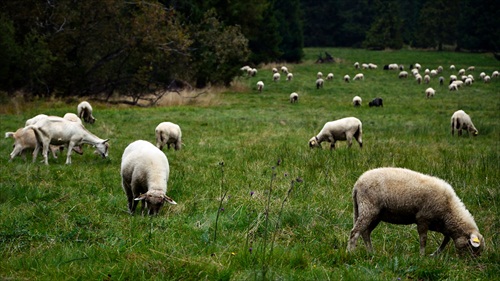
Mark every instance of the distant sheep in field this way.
pixel 294 97
pixel 319 83
pixel 276 77
pixel 356 101
pixel 495 74
pixel 168 133
pixel 452 67
pixel 275 70
pixel 427 79
pixel 439 69
pixel 401 67
pixel 481 75
pixel 453 87
pixel 402 196
pixel 461 121
pixel 418 78
pixel 372 66
pixel 430 92
pixel 84 110
pixel 252 72
pixel 468 81
pixel 417 66
pixel 289 76
pixel 364 66
pixel 284 69
pixel 471 68
pixel 344 129
pixel 356 65
pixel 347 78
pixel 329 76
pixel 414 72
pixel 403 74
pixel 359 76
pixel 441 80
pixel 260 86
pixel 487 79
pixel 376 102
pixel 319 75
pixel 453 78
pixel 145 172
pixel 427 71
pixel 434 72
pixel 461 72
pixel 393 66
pixel 459 83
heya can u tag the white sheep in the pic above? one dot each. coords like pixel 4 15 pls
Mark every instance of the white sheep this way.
pixel 427 71
pixel 168 133
pixel 359 76
pixel 294 97
pixel 495 74
pixel 430 92
pixel 418 78
pixel 275 70
pixel 441 80
pixel 260 86
pixel 403 74
pixel 393 66
pixel 372 66
pixel 459 83
pixel 319 83
pixel 26 140
pixel 319 75
pixel 347 78
pixel 284 69
pixel 461 72
pixel 482 75
pixel 144 172
pixel 414 72
pixel 487 79
pixel 339 130
pixel 289 76
pixel 471 68
pixel 59 131
pixel 461 121
pixel 276 77
pixel 329 76
pixel 453 87
pixel 452 67
pixel 356 101
pixel 252 72
pixel 84 110
pixel 434 72
pixel 468 81
pixel 427 79
pixel 356 65
pixel 364 66
pixel 402 196
pixel 417 66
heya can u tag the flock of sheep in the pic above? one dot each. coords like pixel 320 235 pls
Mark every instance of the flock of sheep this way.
pixel 392 195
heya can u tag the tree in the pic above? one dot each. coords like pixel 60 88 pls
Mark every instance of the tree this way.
pixel 385 31
pixel 290 28
pixel 438 24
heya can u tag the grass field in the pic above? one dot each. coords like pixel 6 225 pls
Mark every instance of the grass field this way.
pixel 254 201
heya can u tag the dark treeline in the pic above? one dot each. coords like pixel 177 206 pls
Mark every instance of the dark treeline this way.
pixel 102 48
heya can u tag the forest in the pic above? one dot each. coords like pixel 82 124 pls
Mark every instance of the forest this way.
pixel 104 48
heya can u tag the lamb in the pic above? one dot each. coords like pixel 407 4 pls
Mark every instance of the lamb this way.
pixel 482 75
pixel 329 76
pixel 403 74
pixel 84 110
pixel 347 78
pixel 319 83
pixel 168 133
pixel 402 196
pixel 289 76
pixel 276 77
pixel 356 101
pixel 59 131
pixel 430 92
pixel 260 86
pixel 339 130
pixel 294 97
pixel 25 140
pixel 144 172
pixel 376 102
pixel 359 76
pixel 461 121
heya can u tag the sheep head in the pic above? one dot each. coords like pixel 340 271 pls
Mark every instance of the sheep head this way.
pixel 102 148
pixel 154 201
pixel 474 244
pixel 314 142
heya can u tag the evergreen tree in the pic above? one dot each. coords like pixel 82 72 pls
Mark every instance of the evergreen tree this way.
pixel 385 31
pixel 290 28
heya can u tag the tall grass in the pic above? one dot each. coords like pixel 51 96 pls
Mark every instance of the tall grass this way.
pixel 71 222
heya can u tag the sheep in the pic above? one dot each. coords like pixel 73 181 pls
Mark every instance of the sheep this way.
pixel 339 130
pixel 487 79
pixel 471 68
pixel 453 78
pixel 461 121
pixel 464 77
pixel 376 102
pixel 495 74
pixel 402 196
pixel 401 67
pixel 260 86
pixel 252 72
pixel 144 172
pixel 471 77
pixel 275 70
pixel 482 75
pixel 84 110
pixel 245 68
pixel 418 78
pixel 468 81
pixel 294 97
pixel 284 69
pixel 356 101
pixel 430 92
pixel 414 72
pixel 427 79
pixel 372 66
pixel 329 76
pixel 347 78
pixel 452 67
pixel 393 66
pixel 453 87
pixel 25 140
pixel 319 75
pixel 276 77
pixel 434 72
pixel 59 131
pixel 168 133
pixel 403 74
pixel 356 65
pixel 289 76
pixel 441 80
pixel 359 76
pixel 427 71
pixel 461 72
pixel 319 83
pixel 417 66
pixel 364 66
pixel 459 83
pixel 440 69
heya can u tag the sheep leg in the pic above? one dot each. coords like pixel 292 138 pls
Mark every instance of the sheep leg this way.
pixel 442 246
pixel 422 234
pixel 363 226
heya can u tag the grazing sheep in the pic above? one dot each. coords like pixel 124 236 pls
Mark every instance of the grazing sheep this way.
pixel 356 101
pixel 359 76
pixel 144 172
pixel 319 75
pixel 26 140
pixel 245 68
pixel 393 66
pixel 486 79
pixel 434 72
pixel 401 67
pixel 414 72
pixel 482 75
pixel 329 76
pixel 252 72
pixel 276 77
pixel 339 130
pixel 440 69
pixel 168 133
pixel 495 74
pixel 403 74
pixel 458 83
pixel 427 79
pixel 441 80
pixel 430 92
pixel 402 196
pixel 284 69
pixel 453 87
pixel 468 81
pixel 372 66
pixel 275 70
pixel 294 97
pixel 452 67
pixel 289 76
pixel 59 131
pixel 461 72
pixel 84 110
pixel 417 66
pixel 319 83
pixel 364 66
pixel 260 86
pixel 471 68
pixel 376 102
pixel 461 121
pixel 356 65
pixel 427 71
pixel 347 78
pixel 418 78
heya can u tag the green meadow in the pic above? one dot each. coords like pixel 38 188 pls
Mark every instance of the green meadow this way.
pixel 254 201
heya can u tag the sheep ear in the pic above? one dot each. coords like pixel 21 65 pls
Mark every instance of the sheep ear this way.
pixel 141 197
pixel 169 200
pixel 474 241
pixel 105 141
